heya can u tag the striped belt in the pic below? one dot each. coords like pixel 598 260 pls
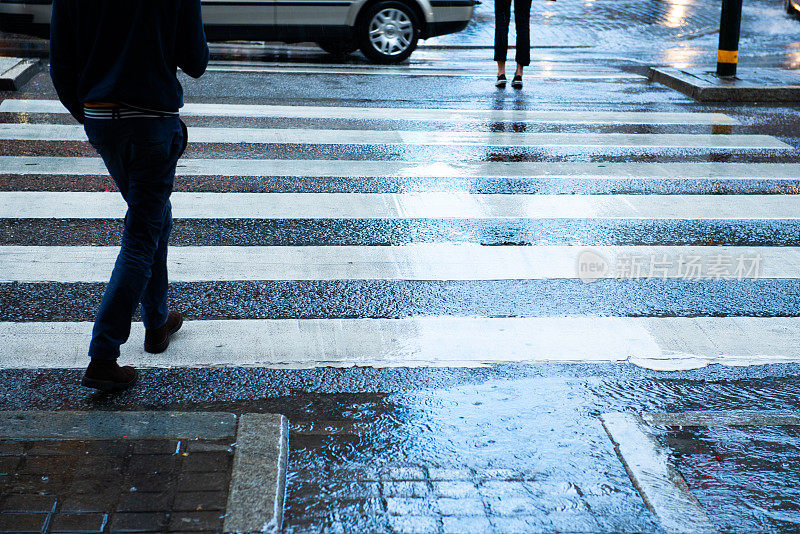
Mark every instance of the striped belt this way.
pixel 100 110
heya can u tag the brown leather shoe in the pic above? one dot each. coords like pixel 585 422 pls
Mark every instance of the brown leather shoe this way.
pixel 107 375
pixel 156 340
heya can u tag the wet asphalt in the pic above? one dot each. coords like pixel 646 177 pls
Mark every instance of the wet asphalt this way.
pixel 524 434
pixel 378 232
pixel 375 299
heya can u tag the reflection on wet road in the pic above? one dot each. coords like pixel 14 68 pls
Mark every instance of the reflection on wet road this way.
pixel 748 476
pixel 509 449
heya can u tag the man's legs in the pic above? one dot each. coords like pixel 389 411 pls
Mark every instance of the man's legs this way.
pixel 149 150
pixel 154 299
pixel 155 309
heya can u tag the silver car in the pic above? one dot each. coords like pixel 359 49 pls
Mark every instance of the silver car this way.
pixel 386 31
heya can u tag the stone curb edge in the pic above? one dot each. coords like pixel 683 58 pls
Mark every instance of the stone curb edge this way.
pixel 261 458
pixel 18 75
pixel 703 91
pixel 661 486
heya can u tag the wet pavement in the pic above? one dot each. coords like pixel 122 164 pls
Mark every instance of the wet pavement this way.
pixel 745 476
pixel 422 432
pixel 507 449
pixel 398 299
pixel 118 485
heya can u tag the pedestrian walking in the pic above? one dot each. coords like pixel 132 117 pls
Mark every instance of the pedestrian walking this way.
pixel 113 64
pixel 522 19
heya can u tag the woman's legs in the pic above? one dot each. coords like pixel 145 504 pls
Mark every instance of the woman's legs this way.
pixel 522 22
pixel 502 18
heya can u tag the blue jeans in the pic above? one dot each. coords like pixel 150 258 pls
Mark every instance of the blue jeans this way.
pixel 140 154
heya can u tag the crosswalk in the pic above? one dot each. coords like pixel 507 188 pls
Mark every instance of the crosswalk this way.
pixel 412 262
pixel 285 136
pixel 409 236
pixel 108 205
pixel 562 71
pixel 408 114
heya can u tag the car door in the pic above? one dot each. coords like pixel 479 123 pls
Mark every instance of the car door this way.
pixel 239 19
pixel 312 17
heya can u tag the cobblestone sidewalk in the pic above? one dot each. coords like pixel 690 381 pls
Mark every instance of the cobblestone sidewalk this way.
pixel 127 485
pixel 140 480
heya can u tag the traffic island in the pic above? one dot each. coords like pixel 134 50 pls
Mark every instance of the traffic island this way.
pixel 757 85
pixel 142 471
pixel 15 72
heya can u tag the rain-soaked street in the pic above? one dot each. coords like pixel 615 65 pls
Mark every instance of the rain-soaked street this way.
pixel 567 308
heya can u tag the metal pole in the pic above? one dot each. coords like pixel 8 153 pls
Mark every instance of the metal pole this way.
pixel 730 23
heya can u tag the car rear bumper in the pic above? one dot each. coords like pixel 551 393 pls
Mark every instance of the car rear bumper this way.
pixel 23 24
pixel 443 28
pixel 449 16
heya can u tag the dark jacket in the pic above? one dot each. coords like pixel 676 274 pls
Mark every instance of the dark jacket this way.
pixel 125 51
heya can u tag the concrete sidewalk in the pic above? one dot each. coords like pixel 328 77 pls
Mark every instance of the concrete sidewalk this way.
pixel 751 85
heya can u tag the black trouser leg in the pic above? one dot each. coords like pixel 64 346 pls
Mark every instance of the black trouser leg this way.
pixel 522 22
pixel 502 18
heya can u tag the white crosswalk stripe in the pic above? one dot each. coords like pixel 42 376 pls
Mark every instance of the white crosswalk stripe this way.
pixel 556 74
pixel 26 165
pixel 429 205
pixel 434 63
pixel 408 114
pixel 409 262
pixel 663 343
pixel 47 132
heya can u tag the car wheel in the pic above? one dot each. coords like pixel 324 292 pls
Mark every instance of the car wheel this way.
pixel 338 48
pixel 388 32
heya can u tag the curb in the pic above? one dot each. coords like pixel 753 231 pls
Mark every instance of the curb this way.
pixel 16 72
pixel 704 86
pixel 258 484
pixel 491 47
pixel 661 486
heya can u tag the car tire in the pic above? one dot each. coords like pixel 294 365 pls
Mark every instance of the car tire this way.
pixel 388 32
pixel 338 48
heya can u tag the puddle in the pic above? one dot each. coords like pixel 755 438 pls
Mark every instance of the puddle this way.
pixel 505 453
pixel 516 455
pixel 746 478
